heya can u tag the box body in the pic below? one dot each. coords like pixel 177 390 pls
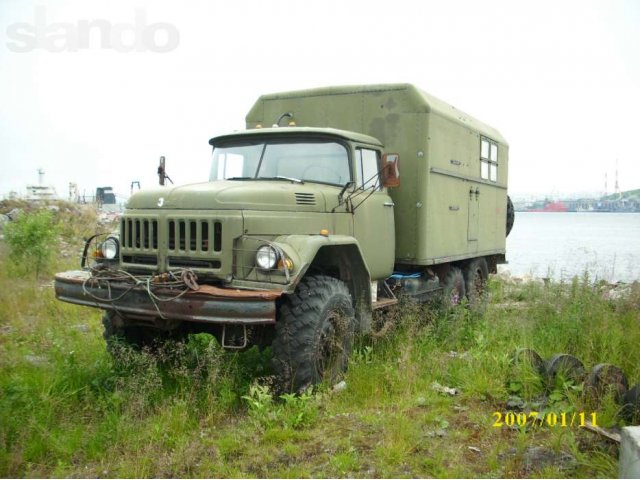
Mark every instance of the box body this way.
pixel 452 201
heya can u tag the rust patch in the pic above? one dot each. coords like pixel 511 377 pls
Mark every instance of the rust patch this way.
pixel 235 293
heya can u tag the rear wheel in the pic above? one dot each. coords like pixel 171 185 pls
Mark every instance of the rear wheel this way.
pixel 314 334
pixel 476 274
pixel 453 287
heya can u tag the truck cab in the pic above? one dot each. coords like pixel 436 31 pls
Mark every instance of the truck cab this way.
pixel 313 180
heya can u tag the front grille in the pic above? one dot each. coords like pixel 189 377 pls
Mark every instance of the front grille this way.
pixel 186 240
pixel 181 262
pixel 141 259
pixel 199 236
pixel 139 233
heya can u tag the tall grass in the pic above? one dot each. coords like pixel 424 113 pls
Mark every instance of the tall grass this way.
pixel 68 408
pixel 66 402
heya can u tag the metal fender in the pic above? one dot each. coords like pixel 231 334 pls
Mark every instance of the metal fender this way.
pixel 337 255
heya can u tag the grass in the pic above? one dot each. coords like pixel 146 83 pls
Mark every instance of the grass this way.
pixel 69 409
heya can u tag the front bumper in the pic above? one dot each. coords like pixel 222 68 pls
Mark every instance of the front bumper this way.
pixel 207 304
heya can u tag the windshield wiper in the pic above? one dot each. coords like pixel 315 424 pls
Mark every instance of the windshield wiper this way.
pixel 282 177
pixel 239 178
pixel 341 199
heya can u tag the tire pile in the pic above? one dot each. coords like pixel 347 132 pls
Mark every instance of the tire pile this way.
pixel 602 380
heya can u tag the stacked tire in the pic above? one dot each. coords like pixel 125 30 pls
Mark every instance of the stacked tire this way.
pixel 603 380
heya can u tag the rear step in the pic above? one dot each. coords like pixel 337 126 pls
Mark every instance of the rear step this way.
pixel 385 298
pixel 384 302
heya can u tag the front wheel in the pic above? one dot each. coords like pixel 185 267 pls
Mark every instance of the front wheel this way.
pixel 314 334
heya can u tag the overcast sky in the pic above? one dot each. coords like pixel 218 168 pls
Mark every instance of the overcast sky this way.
pixel 559 79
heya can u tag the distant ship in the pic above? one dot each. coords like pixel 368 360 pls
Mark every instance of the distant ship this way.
pixel 41 192
pixel 555 207
pixel 602 205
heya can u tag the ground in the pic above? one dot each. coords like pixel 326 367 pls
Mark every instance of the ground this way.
pixel 421 400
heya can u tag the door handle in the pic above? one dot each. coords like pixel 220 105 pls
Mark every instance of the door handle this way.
pixel 389 204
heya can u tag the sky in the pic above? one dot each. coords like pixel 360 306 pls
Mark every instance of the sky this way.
pixel 559 79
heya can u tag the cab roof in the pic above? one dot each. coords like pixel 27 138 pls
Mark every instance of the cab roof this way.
pixel 296 132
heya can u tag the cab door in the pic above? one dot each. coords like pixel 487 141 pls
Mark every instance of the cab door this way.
pixel 373 217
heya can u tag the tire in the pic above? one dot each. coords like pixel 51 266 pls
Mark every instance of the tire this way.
pixel 453 287
pixel 605 379
pixel 476 274
pixel 511 215
pixel 530 357
pixel 314 334
pixel 630 411
pixel 566 366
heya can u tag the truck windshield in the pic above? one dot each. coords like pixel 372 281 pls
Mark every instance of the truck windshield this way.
pixel 309 161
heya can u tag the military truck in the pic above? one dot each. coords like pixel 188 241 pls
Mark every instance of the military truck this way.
pixel 332 203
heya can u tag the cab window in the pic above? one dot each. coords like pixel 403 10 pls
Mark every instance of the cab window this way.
pixel 318 161
pixel 367 171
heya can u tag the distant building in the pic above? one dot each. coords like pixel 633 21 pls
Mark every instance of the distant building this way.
pixel 105 196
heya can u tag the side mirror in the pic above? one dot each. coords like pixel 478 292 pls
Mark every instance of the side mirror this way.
pixel 390 172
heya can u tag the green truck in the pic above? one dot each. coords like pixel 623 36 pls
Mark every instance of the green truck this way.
pixel 332 203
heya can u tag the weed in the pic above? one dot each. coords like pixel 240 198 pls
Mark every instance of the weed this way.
pixel 229 446
pixel 295 411
pixel 363 354
pixel 345 463
pixel 260 401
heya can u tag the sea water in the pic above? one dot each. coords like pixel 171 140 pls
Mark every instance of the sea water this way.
pixel 606 246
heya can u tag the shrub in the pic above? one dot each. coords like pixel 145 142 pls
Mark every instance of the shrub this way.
pixel 32 239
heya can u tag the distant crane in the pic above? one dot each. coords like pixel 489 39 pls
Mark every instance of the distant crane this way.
pixel 74 193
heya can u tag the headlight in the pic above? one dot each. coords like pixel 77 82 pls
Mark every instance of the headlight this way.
pixel 109 248
pixel 266 257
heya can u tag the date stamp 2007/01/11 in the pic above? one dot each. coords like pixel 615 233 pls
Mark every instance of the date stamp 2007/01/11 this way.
pixel 549 419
